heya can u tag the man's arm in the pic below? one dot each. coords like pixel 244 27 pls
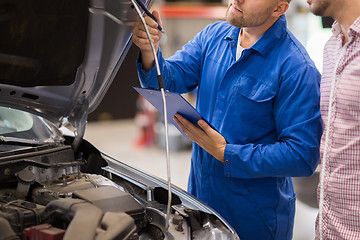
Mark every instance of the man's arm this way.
pixel 299 130
pixel 296 153
pixel 181 72
pixel 141 40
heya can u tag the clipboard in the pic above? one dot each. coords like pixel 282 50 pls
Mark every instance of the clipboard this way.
pixel 175 104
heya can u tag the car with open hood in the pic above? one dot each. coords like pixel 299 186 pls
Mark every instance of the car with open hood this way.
pixel 57 60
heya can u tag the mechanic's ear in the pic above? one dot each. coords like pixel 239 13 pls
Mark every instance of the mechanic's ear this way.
pixel 281 8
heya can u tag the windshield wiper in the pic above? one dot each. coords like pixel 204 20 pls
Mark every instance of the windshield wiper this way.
pixel 20 141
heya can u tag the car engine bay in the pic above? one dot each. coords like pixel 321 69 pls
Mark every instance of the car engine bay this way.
pixel 49 192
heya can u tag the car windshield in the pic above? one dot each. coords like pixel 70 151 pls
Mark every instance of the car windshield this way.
pixel 23 128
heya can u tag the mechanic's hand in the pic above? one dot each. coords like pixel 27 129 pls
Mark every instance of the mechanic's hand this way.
pixel 141 40
pixel 205 136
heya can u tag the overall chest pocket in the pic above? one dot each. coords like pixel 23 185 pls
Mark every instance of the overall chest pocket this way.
pixel 254 90
pixel 252 102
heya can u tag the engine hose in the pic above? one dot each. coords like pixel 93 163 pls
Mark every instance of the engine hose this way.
pixel 85 217
pixel 7 233
pixel 90 223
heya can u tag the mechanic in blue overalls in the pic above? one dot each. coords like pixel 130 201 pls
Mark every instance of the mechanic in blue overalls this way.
pixel 259 89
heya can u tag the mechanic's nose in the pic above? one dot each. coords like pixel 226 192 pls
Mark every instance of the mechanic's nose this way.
pixel 237 2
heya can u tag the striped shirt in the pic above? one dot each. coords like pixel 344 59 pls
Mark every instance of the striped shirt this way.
pixel 339 188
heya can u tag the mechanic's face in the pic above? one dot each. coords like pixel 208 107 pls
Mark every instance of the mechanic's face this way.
pixel 320 7
pixel 250 13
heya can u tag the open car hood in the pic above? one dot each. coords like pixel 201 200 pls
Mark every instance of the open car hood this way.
pixel 59 57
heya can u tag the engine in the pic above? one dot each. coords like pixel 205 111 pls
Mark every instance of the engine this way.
pixel 55 193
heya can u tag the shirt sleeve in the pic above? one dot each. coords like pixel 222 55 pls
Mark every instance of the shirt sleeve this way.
pixel 181 72
pixel 299 127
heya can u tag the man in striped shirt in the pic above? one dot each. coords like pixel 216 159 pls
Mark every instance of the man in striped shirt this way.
pixel 339 188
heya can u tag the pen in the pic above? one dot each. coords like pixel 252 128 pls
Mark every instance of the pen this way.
pixel 149 14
